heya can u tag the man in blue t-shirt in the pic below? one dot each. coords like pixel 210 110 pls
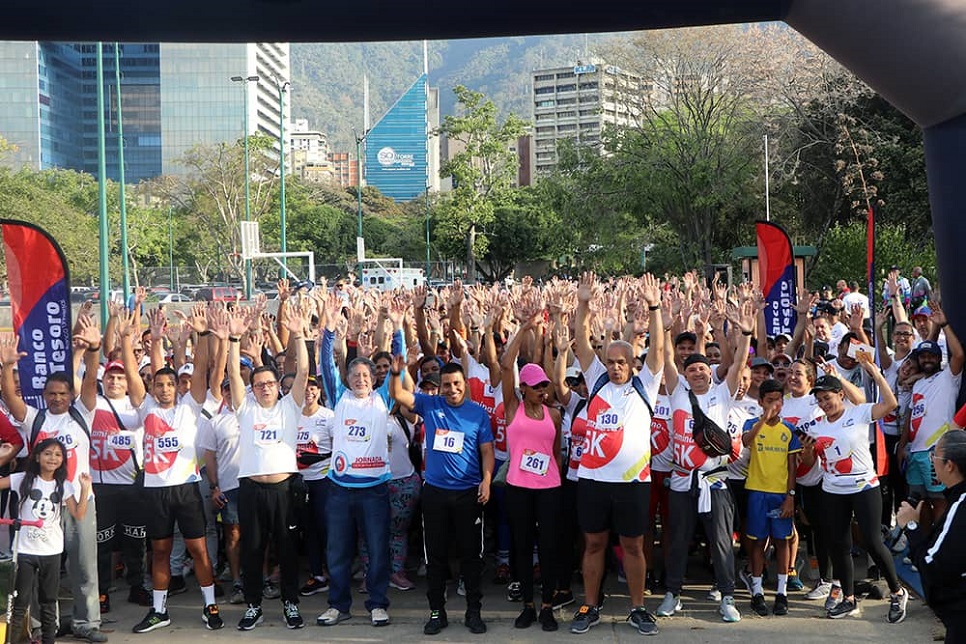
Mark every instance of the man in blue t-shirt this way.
pixel 459 460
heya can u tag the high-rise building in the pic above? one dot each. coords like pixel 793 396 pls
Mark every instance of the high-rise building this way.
pixel 401 151
pixel 575 103
pixel 173 96
pixel 345 168
pixel 307 156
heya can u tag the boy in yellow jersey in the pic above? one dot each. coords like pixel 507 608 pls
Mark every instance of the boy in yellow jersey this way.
pixel 773 446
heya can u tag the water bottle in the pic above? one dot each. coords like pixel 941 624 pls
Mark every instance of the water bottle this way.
pixel 774 514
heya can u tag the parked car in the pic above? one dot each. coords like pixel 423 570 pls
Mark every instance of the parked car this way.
pixel 217 294
pixel 168 298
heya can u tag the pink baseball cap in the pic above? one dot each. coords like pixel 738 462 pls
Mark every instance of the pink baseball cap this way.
pixel 114 364
pixel 532 375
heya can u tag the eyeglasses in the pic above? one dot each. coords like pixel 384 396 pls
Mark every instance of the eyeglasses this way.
pixel 903 334
pixel 933 457
pixel 781 364
pixel 264 385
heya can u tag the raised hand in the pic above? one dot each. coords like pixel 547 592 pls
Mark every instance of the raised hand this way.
pixel 585 287
pixel 938 316
pixel 455 293
pixel 87 334
pixel 284 292
pixel 158 323
pixel 9 342
pixel 419 297
pixel 237 322
pixel 218 322
pixel 650 289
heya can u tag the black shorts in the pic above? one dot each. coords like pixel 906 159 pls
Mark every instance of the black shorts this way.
pixel 621 507
pixel 181 503
pixel 740 495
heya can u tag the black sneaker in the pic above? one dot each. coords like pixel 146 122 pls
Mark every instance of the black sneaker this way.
pixel 474 623
pixel 781 605
pixel 139 596
pixel 547 621
pixel 313 586
pixel 176 586
pixel 526 618
pixel 758 605
pixel 252 618
pixel 897 607
pixel 153 620
pixel 212 618
pixel 643 621
pixel 585 617
pixel 845 608
pixel 93 635
pixel 562 598
pixel 437 622
pixel 293 618
pixel 514 592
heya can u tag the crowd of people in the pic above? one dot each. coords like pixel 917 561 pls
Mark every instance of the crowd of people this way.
pixel 592 421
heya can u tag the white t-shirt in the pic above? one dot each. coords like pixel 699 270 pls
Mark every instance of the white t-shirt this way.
pixel 219 434
pixel 617 442
pixel 116 451
pixel 716 404
pixel 843 447
pixel 400 465
pixel 662 453
pixel 267 436
pixel 933 407
pixel 360 441
pixel 804 413
pixel 70 434
pixel 170 456
pixel 890 422
pixel 852 299
pixel 741 410
pixel 315 437
pixel 48 540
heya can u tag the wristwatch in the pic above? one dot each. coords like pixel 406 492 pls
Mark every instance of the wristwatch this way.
pixel 791 493
pixel 912 525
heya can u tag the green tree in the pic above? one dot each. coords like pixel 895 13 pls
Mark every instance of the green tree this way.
pixel 482 170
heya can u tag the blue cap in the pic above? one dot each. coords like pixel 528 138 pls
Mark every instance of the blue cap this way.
pixel 928 346
pixel 246 362
pixel 922 310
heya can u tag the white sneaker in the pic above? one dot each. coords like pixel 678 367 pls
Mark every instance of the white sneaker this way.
pixel 714 595
pixel 331 617
pixel 669 605
pixel 729 612
pixel 380 617
pixel 820 591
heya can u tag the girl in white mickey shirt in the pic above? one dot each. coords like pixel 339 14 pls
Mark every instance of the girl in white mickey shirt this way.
pixel 42 490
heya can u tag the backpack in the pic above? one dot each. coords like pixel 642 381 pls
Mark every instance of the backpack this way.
pixel 603 380
pixel 708 436
pixel 42 416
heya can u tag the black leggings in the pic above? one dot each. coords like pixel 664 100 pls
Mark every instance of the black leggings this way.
pixel 813 502
pixel 867 508
pixel 526 509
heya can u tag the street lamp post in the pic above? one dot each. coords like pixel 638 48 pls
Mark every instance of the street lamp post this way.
pixel 282 88
pixel 125 259
pixel 105 275
pixel 248 204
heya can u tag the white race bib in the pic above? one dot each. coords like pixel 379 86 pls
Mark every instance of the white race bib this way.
pixel 448 441
pixel 535 462
pixel 357 434
pixel 121 440
pixel 266 436
pixel 167 444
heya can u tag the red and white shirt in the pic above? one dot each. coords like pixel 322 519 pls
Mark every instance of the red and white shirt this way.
pixel 170 456
pixel 804 413
pixel 843 447
pixel 617 440
pixel 315 437
pixel 71 435
pixel 662 453
pixel 716 403
pixel 116 449
pixel 483 392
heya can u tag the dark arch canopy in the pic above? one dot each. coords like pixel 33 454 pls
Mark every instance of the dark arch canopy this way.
pixel 913 52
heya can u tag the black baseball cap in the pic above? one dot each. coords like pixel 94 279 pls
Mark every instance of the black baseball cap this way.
pixel 430 379
pixel 696 357
pixel 770 387
pixel 928 346
pixel 827 383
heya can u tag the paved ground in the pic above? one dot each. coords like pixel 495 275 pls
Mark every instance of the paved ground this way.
pixel 699 622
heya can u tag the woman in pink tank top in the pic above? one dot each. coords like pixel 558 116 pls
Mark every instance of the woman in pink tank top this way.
pixel 533 492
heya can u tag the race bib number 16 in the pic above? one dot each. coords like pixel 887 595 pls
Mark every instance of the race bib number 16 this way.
pixel 448 441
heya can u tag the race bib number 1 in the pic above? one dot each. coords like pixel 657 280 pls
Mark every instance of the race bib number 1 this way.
pixel 534 462
pixel 448 441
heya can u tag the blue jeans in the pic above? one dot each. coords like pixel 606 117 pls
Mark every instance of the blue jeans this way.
pixel 365 510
